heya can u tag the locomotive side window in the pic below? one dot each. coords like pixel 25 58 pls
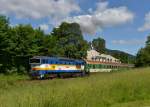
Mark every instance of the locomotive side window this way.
pixel 43 61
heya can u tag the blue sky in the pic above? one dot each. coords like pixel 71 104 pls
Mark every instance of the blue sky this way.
pixel 124 24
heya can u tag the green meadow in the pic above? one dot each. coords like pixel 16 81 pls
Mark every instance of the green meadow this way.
pixel 128 88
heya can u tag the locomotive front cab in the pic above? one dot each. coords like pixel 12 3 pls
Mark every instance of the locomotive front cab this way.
pixel 35 62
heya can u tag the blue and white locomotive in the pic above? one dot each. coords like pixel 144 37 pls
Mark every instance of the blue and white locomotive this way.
pixel 49 67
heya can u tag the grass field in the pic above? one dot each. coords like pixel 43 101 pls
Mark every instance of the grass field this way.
pixel 118 89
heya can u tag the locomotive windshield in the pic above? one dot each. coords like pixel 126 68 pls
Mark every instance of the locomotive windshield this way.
pixel 34 61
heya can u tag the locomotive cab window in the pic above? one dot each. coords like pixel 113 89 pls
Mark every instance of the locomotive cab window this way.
pixel 35 61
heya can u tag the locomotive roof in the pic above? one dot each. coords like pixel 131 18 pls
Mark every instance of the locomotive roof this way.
pixel 58 58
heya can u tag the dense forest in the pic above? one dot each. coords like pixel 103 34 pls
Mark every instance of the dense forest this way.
pixel 20 42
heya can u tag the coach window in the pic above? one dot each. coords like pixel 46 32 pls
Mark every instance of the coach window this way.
pixel 93 66
pixel 97 66
pixel 107 66
pixel 108 60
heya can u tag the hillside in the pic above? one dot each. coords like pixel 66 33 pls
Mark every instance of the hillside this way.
pixel 99 44
pixel 123 56
pixel 116 89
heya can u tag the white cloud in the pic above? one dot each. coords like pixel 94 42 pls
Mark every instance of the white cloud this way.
pixel 101 6
pixel 102 17
pixel 44 27
pixel 146 25
pixel 128 42
pixel 37 9
pixel 58 10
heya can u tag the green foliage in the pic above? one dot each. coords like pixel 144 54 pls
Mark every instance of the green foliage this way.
pixel 124 57
pixel 116 89
pixel 143 55
pixel 4 30
pixel 69 41
pixel 20 42
pixel 99 45
pixel 25 40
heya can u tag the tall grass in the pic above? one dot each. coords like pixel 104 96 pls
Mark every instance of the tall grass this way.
pixel 118 89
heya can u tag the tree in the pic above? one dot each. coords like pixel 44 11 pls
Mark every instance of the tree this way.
pixel 148 41
pixel 69 41
pixel 4 38
pixel 25 41
pixel 99 45
pixel 143 55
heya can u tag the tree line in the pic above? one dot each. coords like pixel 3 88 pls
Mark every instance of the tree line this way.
pixel 19 43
